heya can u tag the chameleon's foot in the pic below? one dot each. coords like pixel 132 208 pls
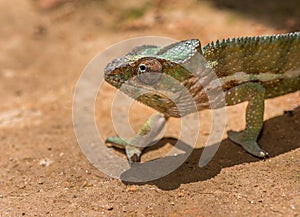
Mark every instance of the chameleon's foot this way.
pixel 145 136
pixel 249 145
pixel 133 153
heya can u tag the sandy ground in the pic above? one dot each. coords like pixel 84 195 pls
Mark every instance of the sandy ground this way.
pixel 45 45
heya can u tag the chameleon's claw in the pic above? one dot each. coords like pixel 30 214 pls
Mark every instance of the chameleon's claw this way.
pixel 249 145
pixel 133 153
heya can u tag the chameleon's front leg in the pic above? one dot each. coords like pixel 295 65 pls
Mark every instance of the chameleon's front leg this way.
pixel 144 137
pixel 254 93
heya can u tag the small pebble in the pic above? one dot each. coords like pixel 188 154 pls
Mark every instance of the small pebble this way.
pixel 45 162
pixel 132 188
pixel 180 194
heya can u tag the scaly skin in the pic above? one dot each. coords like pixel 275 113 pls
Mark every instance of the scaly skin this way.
pixel 247 69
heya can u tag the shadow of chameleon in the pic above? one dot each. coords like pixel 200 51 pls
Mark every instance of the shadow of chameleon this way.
pixel 280 135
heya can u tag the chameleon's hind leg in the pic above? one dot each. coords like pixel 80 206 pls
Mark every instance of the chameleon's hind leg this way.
pixel 254 93
pixel 142 139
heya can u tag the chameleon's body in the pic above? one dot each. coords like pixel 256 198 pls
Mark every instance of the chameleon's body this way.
pixel 248 69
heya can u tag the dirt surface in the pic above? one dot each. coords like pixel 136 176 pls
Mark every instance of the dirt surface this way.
pixel 46 44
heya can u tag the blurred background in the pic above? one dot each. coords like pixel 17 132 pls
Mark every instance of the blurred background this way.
pixel 45 45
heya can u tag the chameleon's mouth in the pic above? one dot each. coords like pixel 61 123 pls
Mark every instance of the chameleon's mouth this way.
pixel 114 78
pixel 113 72
pixel 114 81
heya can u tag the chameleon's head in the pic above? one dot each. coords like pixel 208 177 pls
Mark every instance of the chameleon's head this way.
pixel 154 75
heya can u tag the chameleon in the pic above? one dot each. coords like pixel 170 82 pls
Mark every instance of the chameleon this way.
pixel 248 69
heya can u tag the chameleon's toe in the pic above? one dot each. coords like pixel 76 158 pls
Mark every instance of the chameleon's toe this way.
pixel 249 145
pixel 133 153
pixel 117 142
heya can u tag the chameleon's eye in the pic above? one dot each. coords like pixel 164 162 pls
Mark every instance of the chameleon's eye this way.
pixel 149 72
pixel 142 68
